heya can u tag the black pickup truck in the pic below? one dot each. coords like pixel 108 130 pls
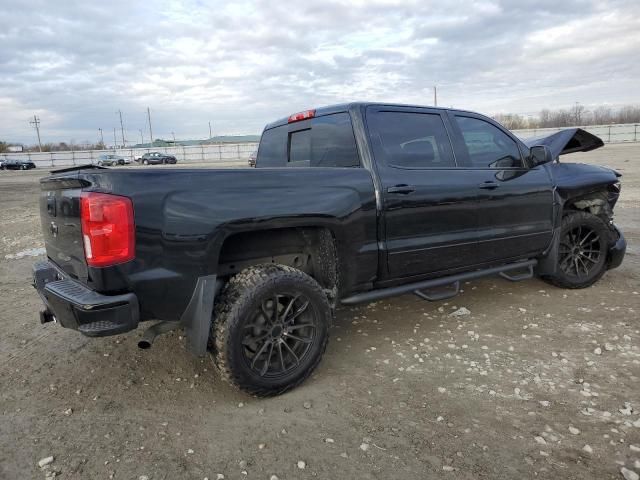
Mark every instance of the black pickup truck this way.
pixel 348 204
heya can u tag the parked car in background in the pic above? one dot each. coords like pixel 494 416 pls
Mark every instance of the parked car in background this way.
pixel 252 158
pixel 155 158
pixel 111 160
pixel 12 164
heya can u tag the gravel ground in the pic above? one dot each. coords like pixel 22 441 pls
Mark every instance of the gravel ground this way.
pixel 532 382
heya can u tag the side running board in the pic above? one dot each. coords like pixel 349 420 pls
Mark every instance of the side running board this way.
pixel 442 295
pixel 453 280
pixel 517 277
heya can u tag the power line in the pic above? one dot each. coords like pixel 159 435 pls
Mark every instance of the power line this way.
pixel 36 123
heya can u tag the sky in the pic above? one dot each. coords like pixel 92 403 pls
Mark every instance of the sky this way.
pixel 242 64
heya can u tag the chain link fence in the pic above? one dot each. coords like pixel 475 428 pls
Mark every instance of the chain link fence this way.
pixel 237 154
pixel 616 133
pixel 223 154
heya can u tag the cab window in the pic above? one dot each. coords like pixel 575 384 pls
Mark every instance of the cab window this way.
pixel 324 141
pixel 410 139
pixel 487 145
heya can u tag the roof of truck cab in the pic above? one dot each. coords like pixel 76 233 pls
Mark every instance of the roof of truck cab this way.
pixel 345 107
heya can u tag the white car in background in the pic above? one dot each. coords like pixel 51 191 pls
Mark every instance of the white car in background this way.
pixel 112 160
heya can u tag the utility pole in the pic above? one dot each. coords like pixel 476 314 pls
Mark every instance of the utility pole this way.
pixel 150 130
pixel 124 142
pixel 36 123
pixel 435 95
pixel 101 137
pixel 141 137
pixel 174 138
pixel 210 134
pixel 115 141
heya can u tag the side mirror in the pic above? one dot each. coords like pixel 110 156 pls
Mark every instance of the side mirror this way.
pixel 539 154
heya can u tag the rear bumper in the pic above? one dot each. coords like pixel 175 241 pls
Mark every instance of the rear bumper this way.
pixel 616 251
pixel 75 306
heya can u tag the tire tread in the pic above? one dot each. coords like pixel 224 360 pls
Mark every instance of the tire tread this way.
pixel 583 217
pixel 234 297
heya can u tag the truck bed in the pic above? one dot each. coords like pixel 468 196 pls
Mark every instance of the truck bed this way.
pixel 183 216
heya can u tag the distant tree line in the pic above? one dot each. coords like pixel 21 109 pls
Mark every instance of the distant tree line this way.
pixel 55 147
pixel 576 116
pixel 66 147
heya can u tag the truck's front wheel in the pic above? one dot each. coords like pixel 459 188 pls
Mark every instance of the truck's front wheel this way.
pixel 583 251
pixel 270 329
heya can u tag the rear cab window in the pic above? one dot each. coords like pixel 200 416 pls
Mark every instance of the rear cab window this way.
pixel 323 141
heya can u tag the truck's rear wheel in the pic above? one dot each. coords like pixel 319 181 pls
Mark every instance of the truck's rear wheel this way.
pixel 583 251
pixel 270 329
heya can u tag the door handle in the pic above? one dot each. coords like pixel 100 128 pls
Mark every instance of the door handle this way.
pixel 488 185
pixel 51 206
pixel 402 189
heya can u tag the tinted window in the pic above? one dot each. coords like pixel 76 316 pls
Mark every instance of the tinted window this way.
pixel 488 146
pixel 326 141
pixel 411 140
pixel 272 150
pixel 332 142
pixel 300 146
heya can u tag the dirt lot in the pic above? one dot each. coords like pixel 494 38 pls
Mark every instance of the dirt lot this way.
pixel 536 382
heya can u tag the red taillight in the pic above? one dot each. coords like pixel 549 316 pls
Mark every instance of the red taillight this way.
pixel 296 117
pixel 107 229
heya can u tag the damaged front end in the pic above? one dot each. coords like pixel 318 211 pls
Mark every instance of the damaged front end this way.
pixel 601 204
pixel 589 188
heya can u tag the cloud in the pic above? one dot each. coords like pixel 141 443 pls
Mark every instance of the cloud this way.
pixel 244 64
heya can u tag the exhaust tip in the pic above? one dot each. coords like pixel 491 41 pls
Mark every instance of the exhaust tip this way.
pixel 153 331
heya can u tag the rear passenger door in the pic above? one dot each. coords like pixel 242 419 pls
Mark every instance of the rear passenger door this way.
pixel 429 205
pixel 515 207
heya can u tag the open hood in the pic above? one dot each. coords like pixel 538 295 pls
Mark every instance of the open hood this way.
pixel 566 141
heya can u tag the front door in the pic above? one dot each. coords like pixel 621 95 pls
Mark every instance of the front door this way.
pixel 429 205
pixel 515 207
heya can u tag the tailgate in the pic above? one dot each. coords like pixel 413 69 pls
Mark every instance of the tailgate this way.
pixel 60 219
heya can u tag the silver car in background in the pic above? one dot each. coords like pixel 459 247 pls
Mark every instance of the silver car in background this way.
pixel 111 160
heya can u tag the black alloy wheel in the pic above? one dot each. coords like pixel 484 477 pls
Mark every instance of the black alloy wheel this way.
pixel 280 334
pixel 580 251
pixel 270 329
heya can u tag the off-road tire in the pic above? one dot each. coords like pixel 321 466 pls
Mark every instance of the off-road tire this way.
pixel 237 305
pixel 570 222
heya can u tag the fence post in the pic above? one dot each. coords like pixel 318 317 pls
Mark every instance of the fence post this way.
pixel 202 151
pixel 238 151
pixel 609 134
